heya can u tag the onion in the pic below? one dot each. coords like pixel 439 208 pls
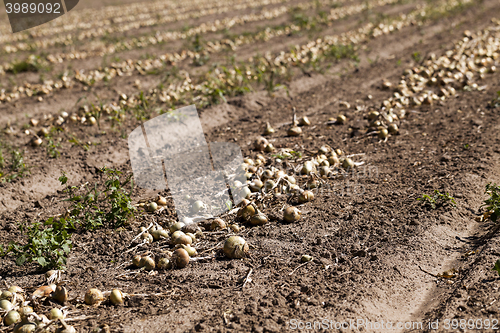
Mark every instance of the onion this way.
pixel 269 184
pixel 60 295
pixel 136 261
pixel 373 115
pixel 192 236
pixel 164 263
pixel 162 201
pixel 306 196
pixel 218 224
pixel 268 130
pixel 267 174
pixel 291 214
pixel 333 160
pixel 16 290
pixel 180 258
pixel 256 185
pixel 176 226
pixel 235 247
pixel 246 212
pixel 148 263
pixel 260 144
pixel 324 170
pixel 258 219
pixel 179 237
pixel 347 163
pixel 35 142
pixel 159 233
pixel 304 121
pixel 383 133
pixel 147 237
pixel 25 328
pixel 294 131
pixel 341 119
pixel 12 317
pixel 269 148
pixel 190 250
pixel 393 129
pixel 290 179
pixel 306 258
pixel 234 227
pixel 198 206
pixel 6 295
pixel 43 291
pixel 55 313
pixel 244 192
pixel 152 206
pixel 307 168
pixel 93 297
pixel 25 310
pixel 116 297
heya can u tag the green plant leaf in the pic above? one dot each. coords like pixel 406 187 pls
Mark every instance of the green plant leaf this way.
pixel 497 266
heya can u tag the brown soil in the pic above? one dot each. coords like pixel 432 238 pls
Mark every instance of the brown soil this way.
pixel 370 238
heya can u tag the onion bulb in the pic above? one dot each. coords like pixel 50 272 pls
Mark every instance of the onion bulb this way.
pixel 162 201
pixel 148 263
pixel 269 148
pixel 307 168
pixel 291 214
pixel 190 250
pixel 294 131
pixel 25 328
pixel 164 263
pixel 176 226
pixel 268 130
pixel 341 119
pixel 5 304
pixel 60 295
pixel 179 237
pixel 306 196
pixel 93 297
pixel 153 206
pixel 12 317
pixel 306 258
pixel 180 258
pixel 258 219
pixel 393 129
pixel 383 133
pixel 136 261
pixel 347 163
pixel 235 247
pixel 218 224
pixel 260 144
pixel 304 121
pixel 55 313
pixel 116 297
pixel 198 206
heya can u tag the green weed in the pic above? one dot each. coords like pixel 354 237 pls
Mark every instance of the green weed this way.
pixel 437 200
pixel 492 204
pixel 107 204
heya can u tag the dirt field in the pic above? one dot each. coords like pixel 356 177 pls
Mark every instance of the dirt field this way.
pixel 379 255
